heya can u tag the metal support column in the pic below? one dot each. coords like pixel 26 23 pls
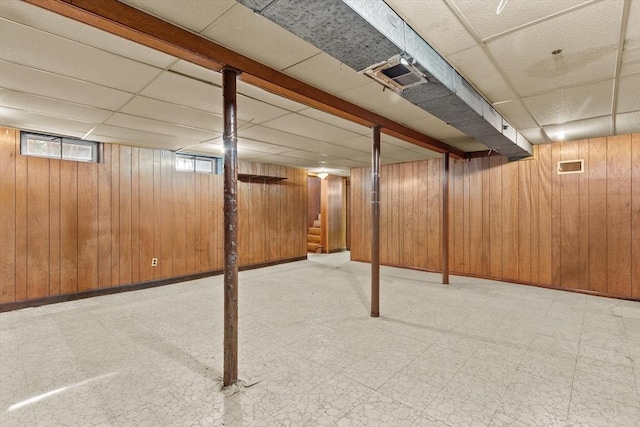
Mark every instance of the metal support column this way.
pixel 375 223
pixel 230 138
pixel 445 219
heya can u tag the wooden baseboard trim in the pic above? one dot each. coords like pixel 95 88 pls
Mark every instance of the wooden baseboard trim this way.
pixel 517 282
pixel 11 306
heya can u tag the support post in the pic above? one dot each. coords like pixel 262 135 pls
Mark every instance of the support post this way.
pixel 445 219
pixel 230 139
pixel 375 223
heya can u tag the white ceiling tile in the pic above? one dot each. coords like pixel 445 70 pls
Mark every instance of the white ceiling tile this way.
pixel 273 136
pixel 567 105
pixel 632 36
pixel 249 144
pixel 268 97
pixel 29 120
pixel 436 23
pixel 182 90
pixel 196 17
pixel 476 66
pixel 244 32
pixel 307 155
pixel 304 126
pixel 52 107
pixel 359 143
pixel 350 163
pixel 156 126
pixel 628 123
pixel 172 113
pixel 256 112
pixel 466 144
pixel 372 96
pixel 516 113
pixel 434 127
pixel 581 129
pixel 535 135
pixel 327 73
pixel 145 138
pixel 34 48
pixel 630 62
pixel 36 17
pixel 588 38
pixel 628 94
pixel 197 71
pixel 486 22
pixel 335 121
pixel 403 112
pixel 246 154
pixel 28 80
pixel 338 151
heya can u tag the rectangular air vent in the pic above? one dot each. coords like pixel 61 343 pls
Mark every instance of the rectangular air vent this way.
pixel 397 73
pixel 570 166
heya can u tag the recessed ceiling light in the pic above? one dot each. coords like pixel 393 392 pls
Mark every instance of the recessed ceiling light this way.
pixel 556 52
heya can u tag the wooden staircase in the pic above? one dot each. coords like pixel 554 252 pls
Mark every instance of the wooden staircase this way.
pixel 314 237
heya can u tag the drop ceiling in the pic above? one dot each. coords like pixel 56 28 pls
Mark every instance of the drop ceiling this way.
pixel 61 76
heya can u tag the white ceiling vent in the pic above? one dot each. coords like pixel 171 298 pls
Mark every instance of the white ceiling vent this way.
pixel 397 73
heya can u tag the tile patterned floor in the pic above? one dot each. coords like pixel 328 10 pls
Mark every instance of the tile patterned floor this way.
pixel 475 353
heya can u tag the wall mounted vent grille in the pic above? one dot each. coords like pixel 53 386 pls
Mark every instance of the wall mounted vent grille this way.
pixel 570 166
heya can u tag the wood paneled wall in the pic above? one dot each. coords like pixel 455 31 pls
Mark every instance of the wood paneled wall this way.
pixel 333 208
pixel 313 200
pixel 517 221
pixel 67 227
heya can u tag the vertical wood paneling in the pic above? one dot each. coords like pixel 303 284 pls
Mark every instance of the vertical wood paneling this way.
pixel 534 213
pixel 20 291
pixel 54 227
pixel 495 216
pixel 521 221
pixel 475 213
pixel 147 214
pixel 434 210
pixel 421 193
pixel 167 224
pixel 545 170
pixel 115 214
pixel 191 222
pixel 568 219
pixel 87 226
pixel 582 241
pixel 456 231
pixel 37 227
pixel 486 216
pixel 510 220
pixel 635 215
pixel 8 153
pixel 135 215
pixel 597 171
pixel 104 218
pixel 619 215
pixel 158 214
pixel 68 227
pixel 524 220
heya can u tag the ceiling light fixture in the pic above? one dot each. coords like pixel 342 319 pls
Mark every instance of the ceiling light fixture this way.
pixel 501 6
pixel 323 175
pixel 560 136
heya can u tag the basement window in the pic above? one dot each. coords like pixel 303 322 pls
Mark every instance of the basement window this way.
pixel 198 164
pixel 570 166
pixel 58 147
